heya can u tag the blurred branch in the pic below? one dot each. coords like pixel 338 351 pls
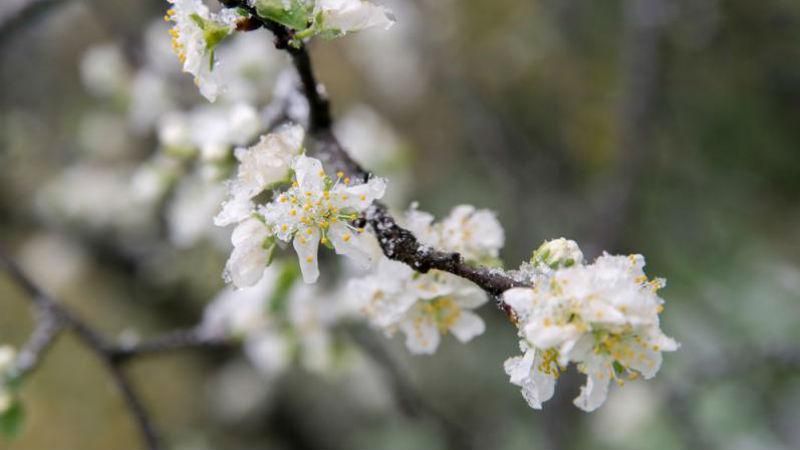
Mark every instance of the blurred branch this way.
pixel 15 17
pixel 55 318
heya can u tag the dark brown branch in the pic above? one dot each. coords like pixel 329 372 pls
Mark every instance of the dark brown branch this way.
pixel 193 338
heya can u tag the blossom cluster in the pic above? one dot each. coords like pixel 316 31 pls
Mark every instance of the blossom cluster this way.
pixel 604 317
pixel 315 209
pixel 426 306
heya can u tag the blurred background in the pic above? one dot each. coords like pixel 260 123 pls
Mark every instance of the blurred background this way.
pixel 669 128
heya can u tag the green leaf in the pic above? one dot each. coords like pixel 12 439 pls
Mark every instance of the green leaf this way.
pixel 12 420
pixel 296 16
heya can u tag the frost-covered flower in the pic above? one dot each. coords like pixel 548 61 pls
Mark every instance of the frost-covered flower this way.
pixel 423 306
pixel 260 166
pixel 474 233
pixel 316 209
pixel 104 70
pixel 339 17
pixel 602 316
pixel 195 35
pixel 253 245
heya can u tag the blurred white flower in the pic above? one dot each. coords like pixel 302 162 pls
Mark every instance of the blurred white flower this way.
pixel 195 35
pixel 191 210
pixel 150 99
pixel 474 233
pixel 53 261
pixel 7 357
pixel 423 306
pixel 104 71
pixel 602 316
pixel 260 167
pixel 317 209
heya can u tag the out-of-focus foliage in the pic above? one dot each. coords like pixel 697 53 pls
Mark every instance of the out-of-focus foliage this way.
pixel 514 105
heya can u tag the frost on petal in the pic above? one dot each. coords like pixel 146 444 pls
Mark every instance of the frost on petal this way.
pixel 594 392
pixel 305 244
pixel 360 247
pixel 309 173
pixel 526 371
pixel 422 336
pixel 250 255
pixel 234 210
pixel 361 196
pixel 521 300
pixel 467 326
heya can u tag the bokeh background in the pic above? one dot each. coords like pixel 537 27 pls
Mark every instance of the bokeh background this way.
pixel 669 128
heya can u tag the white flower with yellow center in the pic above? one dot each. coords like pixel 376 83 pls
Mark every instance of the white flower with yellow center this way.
pixel 474 233
pixel 195 35
pixel 602 316
pixel 423 306
pixel 260 167
pixel 317 209
pixel 339 17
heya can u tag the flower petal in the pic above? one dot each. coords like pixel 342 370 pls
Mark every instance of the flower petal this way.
pixel 467 326
pixel 306 242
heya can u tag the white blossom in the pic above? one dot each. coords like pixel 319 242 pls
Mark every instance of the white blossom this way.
pixel 340 17
pixel 475 234
pixel 260 166
pixel 316 209
pixel 602 316
pixel 104 71
pixel 252 249
pixel 194 36
pixel 423 306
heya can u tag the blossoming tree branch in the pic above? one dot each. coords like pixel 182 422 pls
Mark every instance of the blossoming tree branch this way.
pixel 293 187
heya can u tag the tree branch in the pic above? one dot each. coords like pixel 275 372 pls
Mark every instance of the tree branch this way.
pixel 397 242
pixel 55 318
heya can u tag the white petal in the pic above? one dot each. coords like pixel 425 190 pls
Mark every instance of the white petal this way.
pixel 521 300
pixel 519 368
pixel 309 173
pixel 594 392
pixel 467 326
pixel 246 265
pixel 360 196
pixel 306 242
pixel 422 336
pixel 471 297
pixel 357 246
